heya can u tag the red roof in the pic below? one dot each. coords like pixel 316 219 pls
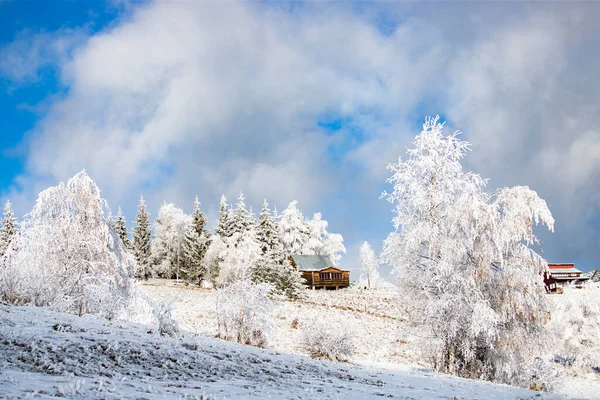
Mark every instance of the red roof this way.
pixel 555 266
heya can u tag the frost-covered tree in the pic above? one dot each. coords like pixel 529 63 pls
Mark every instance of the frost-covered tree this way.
pixel 322 242
pixel 267 231
pixel 333 246
pixel 120 227
pixel 197 241
pixel 242 221
pixel 9 229
pixel 294 232
pixel 239 258
pixel 268 240
pixel 251 217
pixel 68 258
pixel 288 281
pixel 273 266
pixel 168 249
pixel 142 236
pixel 464 261
pixel 224 225
pixel 212 259
pixel 370 266
pixel 317 227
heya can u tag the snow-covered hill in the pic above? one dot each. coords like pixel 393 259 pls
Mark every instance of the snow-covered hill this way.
pixel 46 354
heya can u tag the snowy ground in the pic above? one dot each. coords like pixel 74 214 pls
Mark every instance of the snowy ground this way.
pixel 381 335
pixel 45 354
pixel 373 319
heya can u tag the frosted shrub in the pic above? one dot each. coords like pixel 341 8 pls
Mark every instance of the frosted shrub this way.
pixel 163 312
pixel 541 376
pixel 463 258
pixel 574 324
pixel 329 340
pixel 243 312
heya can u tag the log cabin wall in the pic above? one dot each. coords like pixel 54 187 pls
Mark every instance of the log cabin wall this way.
pixel 325 277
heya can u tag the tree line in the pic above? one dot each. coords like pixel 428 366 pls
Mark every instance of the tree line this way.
pixel 179 246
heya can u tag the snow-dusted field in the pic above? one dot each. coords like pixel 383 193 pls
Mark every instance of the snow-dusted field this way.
pixel 373 320
pixel 378 326
pixel 46 354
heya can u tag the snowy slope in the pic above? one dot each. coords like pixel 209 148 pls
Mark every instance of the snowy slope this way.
pixel 47 354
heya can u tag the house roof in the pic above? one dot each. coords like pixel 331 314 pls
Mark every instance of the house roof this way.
pixel 561 266
pixel 312 263
pixel 564 271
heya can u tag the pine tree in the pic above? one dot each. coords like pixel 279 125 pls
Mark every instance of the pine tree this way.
pixel 197 242
pixel 268 240
pixel 120 228
pixel 274 266
pixel 198 219
pixel 9 228
pixel 242 220
pixel 142 235
pixel 289 281
pixel 224 225
pixel 267 234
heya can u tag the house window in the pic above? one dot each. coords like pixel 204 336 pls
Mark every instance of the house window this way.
pixel 330 275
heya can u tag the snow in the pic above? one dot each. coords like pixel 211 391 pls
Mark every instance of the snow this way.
pixel 478 320
pixel 47 354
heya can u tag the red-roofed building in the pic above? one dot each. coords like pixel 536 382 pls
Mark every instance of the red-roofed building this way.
pixel 559 275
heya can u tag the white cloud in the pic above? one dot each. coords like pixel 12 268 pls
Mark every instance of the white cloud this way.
pixel 22 60
pixel 188 98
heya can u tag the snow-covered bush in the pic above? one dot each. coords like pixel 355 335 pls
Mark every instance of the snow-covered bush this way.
pixel 328 339
pixel 575 326
pixel 463 260
pixel 67 257
pixel 542 376
pixel 163 312
pixel 244 312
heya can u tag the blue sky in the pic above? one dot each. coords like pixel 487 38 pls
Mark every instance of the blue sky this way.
pixel 18 101
pixel 306 101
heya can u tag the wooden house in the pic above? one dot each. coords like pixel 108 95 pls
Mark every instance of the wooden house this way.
pixel 559 275
pixel 319 272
